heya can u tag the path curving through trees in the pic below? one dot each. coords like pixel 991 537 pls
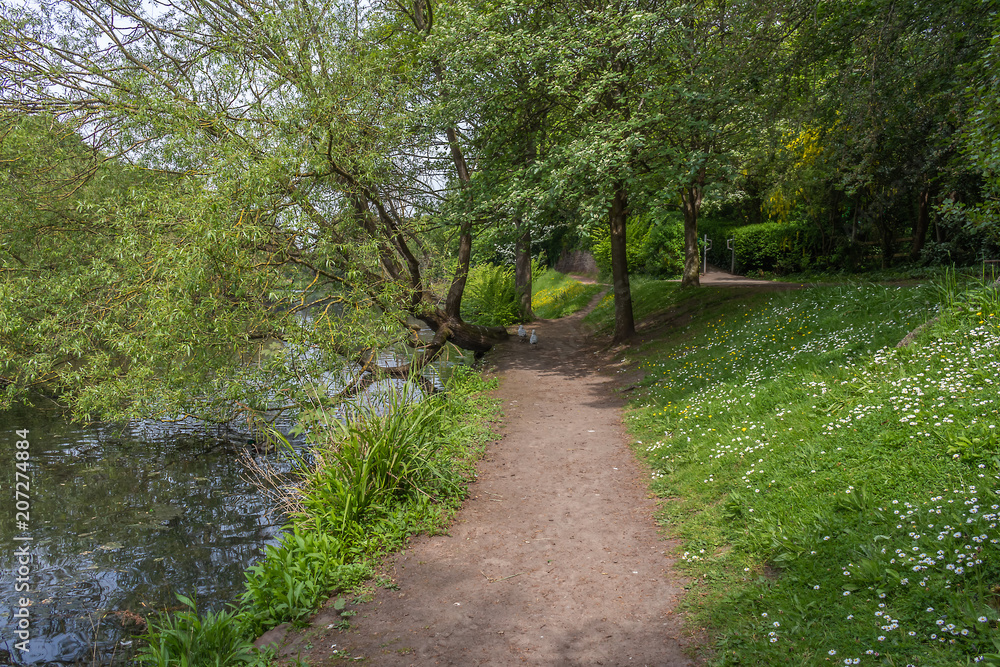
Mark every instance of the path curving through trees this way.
pixel 553 560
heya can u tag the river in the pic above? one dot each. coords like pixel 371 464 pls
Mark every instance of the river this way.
pixel 121 519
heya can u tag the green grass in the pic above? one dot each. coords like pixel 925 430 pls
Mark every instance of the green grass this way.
pixel 555 295
pixel 835 495
pixel 649 296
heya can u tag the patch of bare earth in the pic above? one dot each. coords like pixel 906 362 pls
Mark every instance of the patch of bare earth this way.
pixel 553 560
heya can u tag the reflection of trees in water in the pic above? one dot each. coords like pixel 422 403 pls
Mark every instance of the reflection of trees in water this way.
pixel 123 523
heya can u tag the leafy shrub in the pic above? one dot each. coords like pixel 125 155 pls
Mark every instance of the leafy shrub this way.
pixel 295 577
pixel 188 640
pixel 773 246
pixel 662 250
pixel 490 297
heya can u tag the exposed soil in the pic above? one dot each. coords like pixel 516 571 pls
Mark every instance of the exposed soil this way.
pixel 554 559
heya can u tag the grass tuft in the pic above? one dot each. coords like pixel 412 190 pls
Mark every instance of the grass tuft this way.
pixel 185 638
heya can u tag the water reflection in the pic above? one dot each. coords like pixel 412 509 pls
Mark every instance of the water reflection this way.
pixel 120 521
pixel 123 518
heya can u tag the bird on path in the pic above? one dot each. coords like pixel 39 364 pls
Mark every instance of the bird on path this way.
pixel 534 339
pixel 522 333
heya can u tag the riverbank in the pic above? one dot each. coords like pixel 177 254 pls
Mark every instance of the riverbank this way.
pixel 553 559
pixel 748 406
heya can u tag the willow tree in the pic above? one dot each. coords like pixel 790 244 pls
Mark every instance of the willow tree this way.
pixel 268 177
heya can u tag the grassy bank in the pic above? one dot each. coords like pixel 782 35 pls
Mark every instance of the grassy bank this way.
pixel 835 495
pixel 374 482
pixel 555 294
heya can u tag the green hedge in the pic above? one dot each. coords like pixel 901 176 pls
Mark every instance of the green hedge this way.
pixel 779 247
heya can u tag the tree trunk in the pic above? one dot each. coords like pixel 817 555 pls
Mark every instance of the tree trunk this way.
pixel 467 336
pixel 423 20
pixel 887 239
pixel 624 322
pixel 522 269
pixel 923 223
pixel 691 203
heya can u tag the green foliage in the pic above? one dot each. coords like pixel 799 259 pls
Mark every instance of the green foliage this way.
pixel 159 282
pixel 373 459
pixel 490 297
pixel 295 577
pixel 773 246
pixel 185 639
pixel 877 127
pixel 768 247
pixel 981 138
pixel 653 247
pixel 663 248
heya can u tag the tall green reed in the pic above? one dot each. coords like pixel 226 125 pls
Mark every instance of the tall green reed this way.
pixel 380 453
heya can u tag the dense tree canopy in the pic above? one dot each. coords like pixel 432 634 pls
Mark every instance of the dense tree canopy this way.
pixel 224 205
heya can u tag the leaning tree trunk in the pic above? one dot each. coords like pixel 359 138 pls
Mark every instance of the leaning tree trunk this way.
pixel 624 322
pixel 473 337
pixel 522 269
pixel 447 324
pixel 691 203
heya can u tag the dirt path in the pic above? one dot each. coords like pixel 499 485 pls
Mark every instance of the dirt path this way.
pixel 716 277
pixel 554 559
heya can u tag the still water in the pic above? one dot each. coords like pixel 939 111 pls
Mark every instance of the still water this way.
pixel 123 518
pixel 120 520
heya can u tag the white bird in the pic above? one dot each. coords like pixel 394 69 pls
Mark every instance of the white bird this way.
pixel 534 339
pixel 522 333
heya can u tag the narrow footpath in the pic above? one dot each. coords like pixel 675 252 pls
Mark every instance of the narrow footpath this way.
pixel 554 559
